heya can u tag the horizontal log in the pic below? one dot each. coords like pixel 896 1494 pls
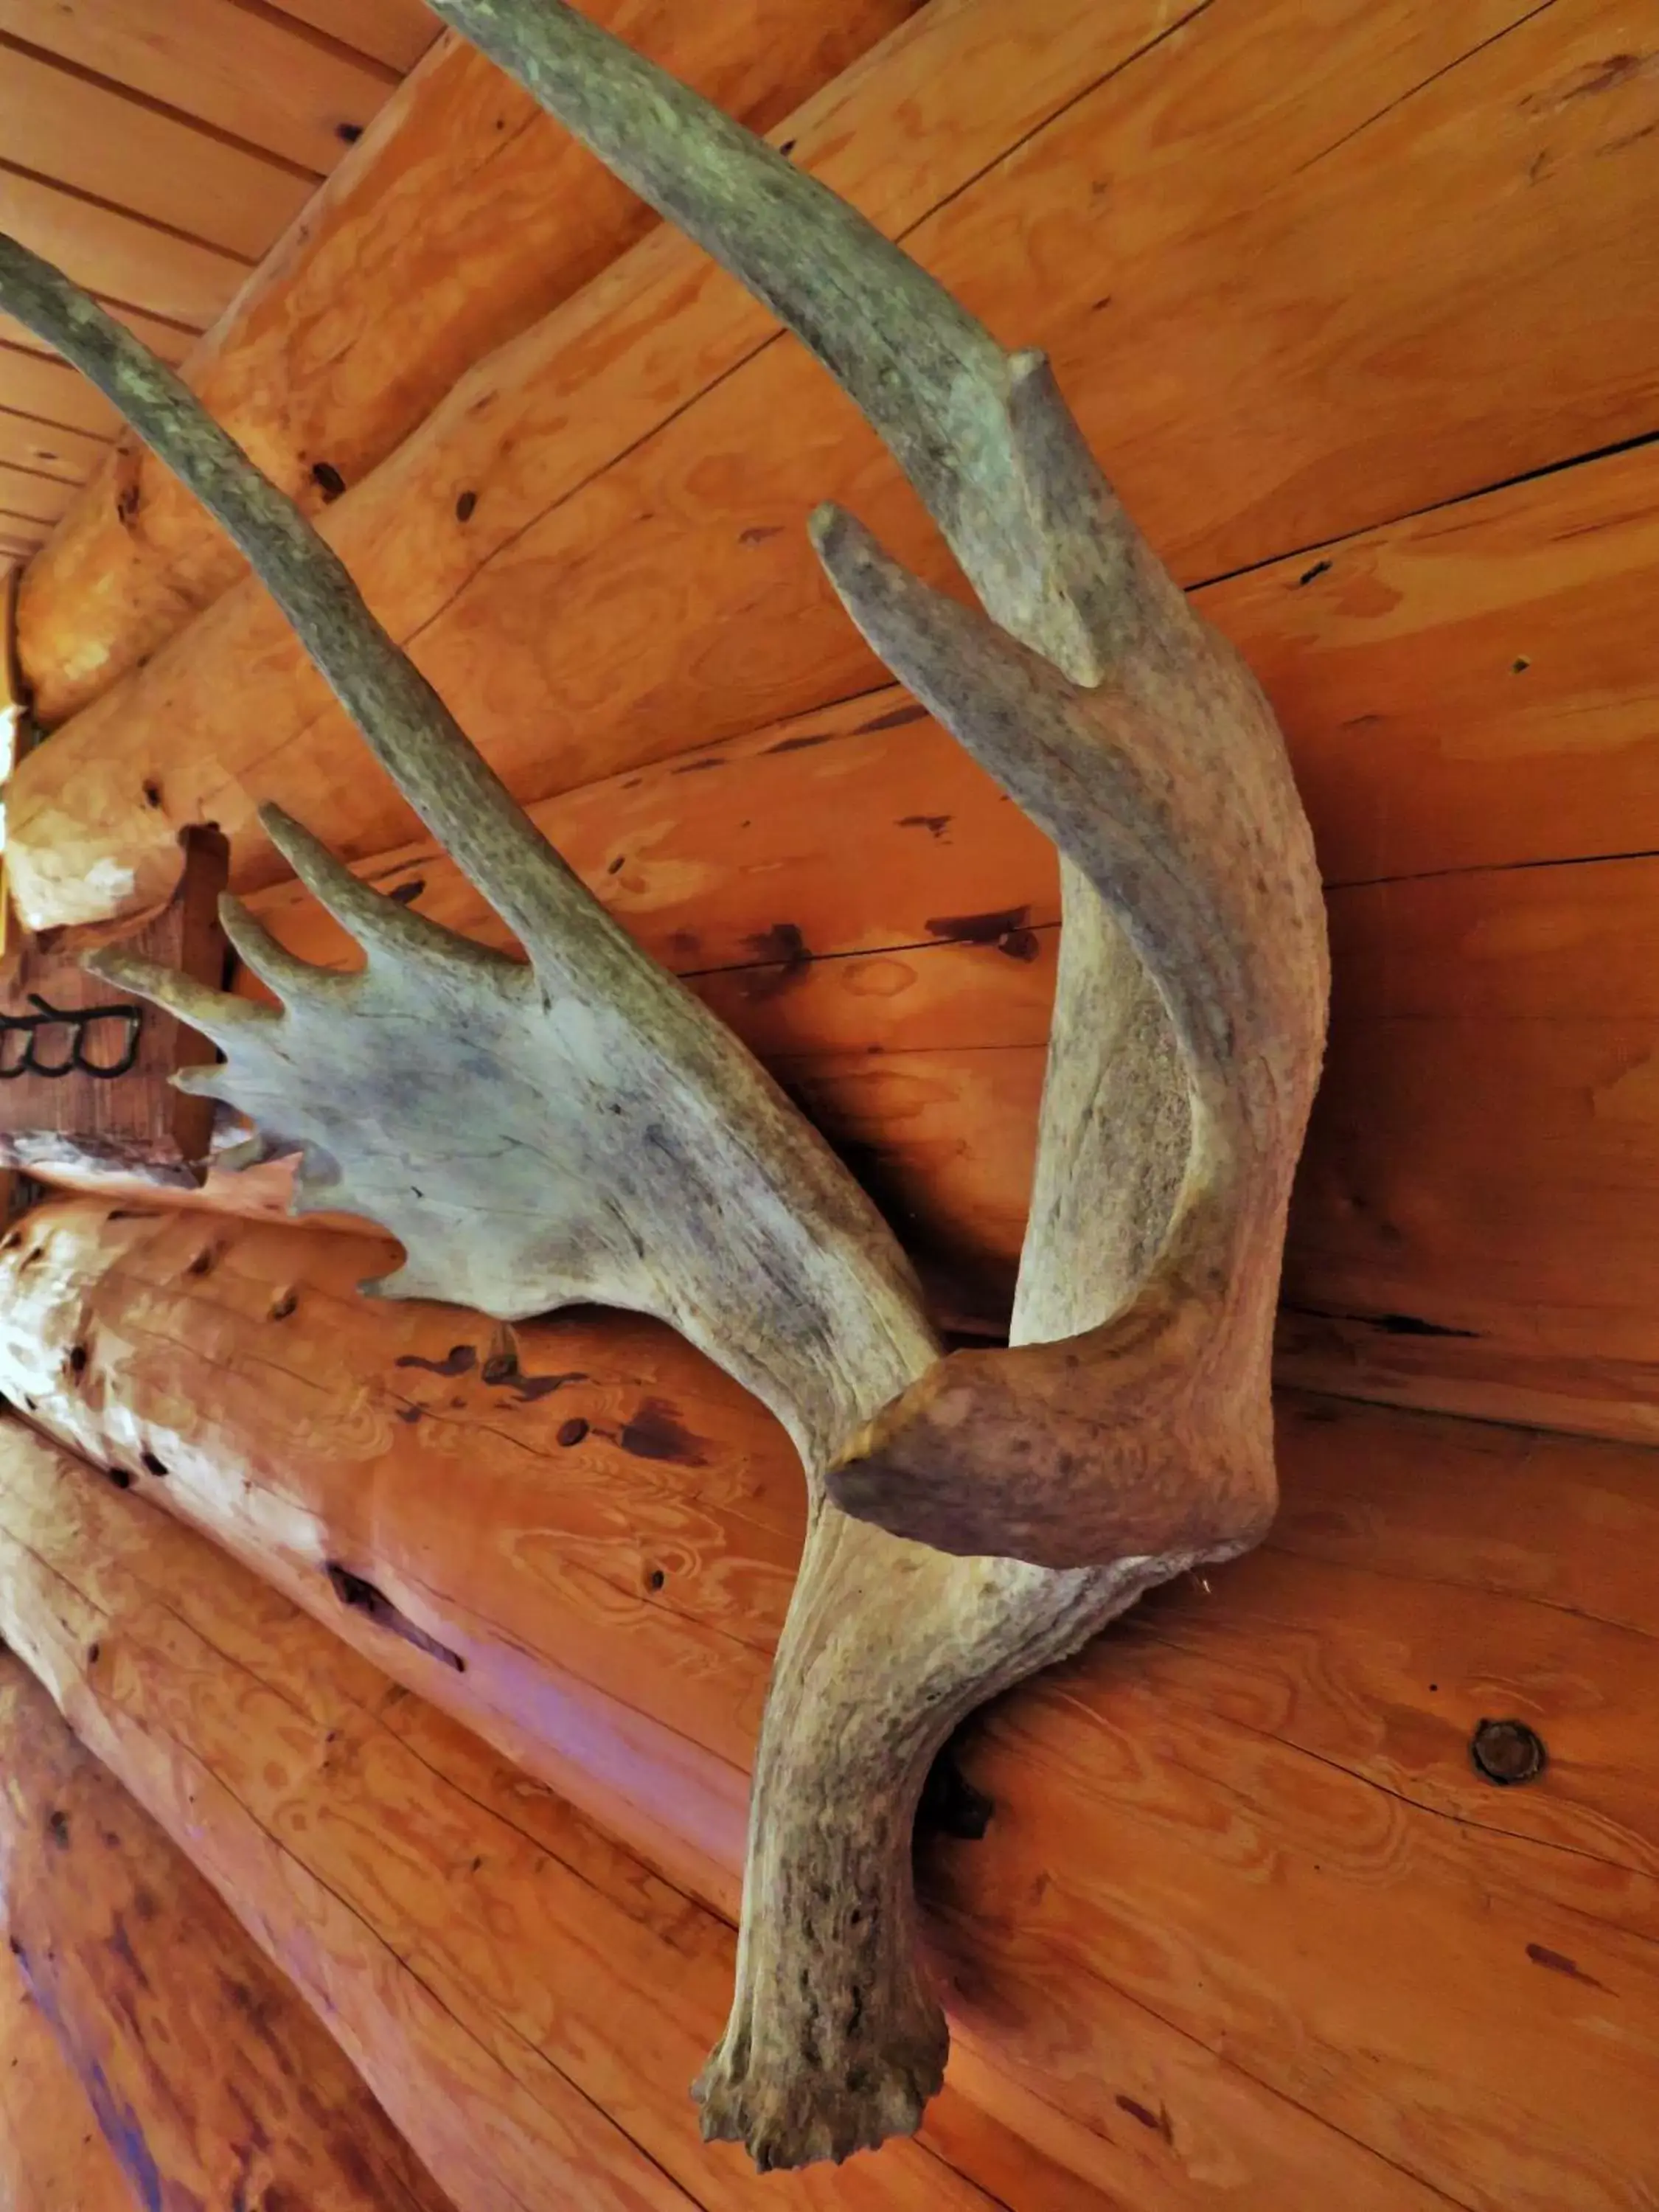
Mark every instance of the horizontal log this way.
pixel 599 534
pixel 53 2152
pixel 1287 1748
pixel 527 2000
pixel 1475 1221
pixel 462 217
pixel 212 2082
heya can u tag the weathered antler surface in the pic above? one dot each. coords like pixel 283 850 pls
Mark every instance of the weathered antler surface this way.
pixel 1128 1437
pixel 1191 1004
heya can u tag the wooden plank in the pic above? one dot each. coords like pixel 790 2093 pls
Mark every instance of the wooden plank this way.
pixel 132 1121
pixel 28 496
pixel 630 570
pixel 93 139
pixel 52 2155
pixel 45 447
pixel 394 31
pixel 245 72
pixel 35 384
pixel 465 215
pixel 1285 1748
pixel 505 1980
pixel 118 255
pixel 211 2081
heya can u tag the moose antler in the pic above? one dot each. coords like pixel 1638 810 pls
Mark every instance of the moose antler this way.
pixel 580 1129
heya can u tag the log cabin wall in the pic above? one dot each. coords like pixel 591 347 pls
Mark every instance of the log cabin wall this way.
pixel 52 2151
pixel 1357 304
pixel 161 152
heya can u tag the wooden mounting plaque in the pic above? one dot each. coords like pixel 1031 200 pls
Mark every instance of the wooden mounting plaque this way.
pixel 133 1122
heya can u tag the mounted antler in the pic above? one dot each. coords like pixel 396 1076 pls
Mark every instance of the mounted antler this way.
pixel 582 1129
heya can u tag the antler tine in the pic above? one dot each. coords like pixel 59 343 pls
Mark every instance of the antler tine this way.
pixel 377 923
pixel 219 1018
pixel 1191 899
pixel 1068 756
pixel 276 968
pixel 408 728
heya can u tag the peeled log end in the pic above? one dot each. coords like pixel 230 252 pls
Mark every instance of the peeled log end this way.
pixel 762 2088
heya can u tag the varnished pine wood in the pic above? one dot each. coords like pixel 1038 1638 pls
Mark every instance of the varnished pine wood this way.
pixel 91 139
pixel 33 384
pixel 211 2080
pixel 1287 1747
pixel 176 280
pixel 45 447
pixel 587 501
pixel 396 33
pixel 243 70
pixel 524 1998
pixel 1492 1175
pixel 464 217
pixel 53 2152
pixel 31 496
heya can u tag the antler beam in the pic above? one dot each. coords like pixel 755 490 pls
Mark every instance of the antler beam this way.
pixel 1191 1004
pixel 581 1130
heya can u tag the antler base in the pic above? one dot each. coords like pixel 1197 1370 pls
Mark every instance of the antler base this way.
pixel 837 2038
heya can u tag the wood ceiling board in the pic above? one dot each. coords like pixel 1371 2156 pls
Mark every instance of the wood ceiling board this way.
pixel 396 32
pixel 120 257
pixel 168 342
pixel 271 83
pixel 51 391
pixel 93 139
pixel 34 498
pixel 44 446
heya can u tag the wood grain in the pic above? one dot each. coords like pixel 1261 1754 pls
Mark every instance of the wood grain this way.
pixel 35 384
pixel 1131 1981
pixel 211 2081
pixel 463 216
pixel 31 496
pixel 52 2155
pixel 245 72
pixel 1481 1186
pixel 644 463
pixel 90 138
pixel 1482 1159
pixel 526 2000
pixel 177 280
pixel 45 447
pixel 394 31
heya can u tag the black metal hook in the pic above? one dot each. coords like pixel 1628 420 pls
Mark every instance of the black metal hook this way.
pixel 78 1022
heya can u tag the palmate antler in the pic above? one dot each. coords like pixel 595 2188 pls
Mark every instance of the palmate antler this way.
pixel 581 1129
